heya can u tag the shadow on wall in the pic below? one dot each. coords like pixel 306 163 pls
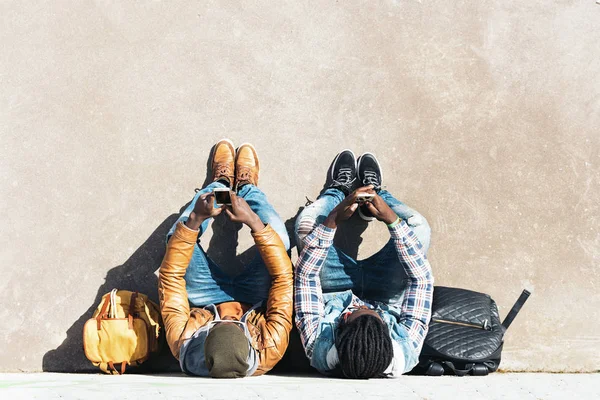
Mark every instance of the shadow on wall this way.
pixel 136 274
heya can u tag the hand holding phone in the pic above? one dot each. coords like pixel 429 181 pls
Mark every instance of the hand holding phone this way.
pixel 203 209
pixel 347 207
pixel 380 210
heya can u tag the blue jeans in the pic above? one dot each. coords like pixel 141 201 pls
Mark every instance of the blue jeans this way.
pixel 206 282
pixel 378 278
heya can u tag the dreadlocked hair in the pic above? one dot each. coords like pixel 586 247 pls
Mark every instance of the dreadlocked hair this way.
pixel 364 348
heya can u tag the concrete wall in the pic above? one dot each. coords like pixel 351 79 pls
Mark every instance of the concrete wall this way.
pixel 484 115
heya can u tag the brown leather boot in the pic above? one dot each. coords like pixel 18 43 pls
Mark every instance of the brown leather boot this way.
pixel 246 166
pixel 223 161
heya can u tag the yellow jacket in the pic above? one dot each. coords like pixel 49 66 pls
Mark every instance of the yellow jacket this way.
pixel 269 326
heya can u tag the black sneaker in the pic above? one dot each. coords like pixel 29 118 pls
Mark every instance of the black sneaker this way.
pixel 343 172
pixel 369 173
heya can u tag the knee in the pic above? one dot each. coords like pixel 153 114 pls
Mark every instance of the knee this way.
pixel 283 234
pixel 285 238
pixel 423 232
pixel 303 226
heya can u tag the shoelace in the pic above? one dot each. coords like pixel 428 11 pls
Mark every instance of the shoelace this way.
pixel 223 170
pixel 371 178
pixel 344 177
pixel 243 174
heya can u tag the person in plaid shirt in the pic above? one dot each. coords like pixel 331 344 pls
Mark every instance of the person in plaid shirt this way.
pixel 369 318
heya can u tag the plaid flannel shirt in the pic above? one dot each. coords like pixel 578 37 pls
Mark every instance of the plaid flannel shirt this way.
pixel 308 297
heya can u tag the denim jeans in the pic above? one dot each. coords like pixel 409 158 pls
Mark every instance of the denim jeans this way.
pixel 378 278
pixel 206 282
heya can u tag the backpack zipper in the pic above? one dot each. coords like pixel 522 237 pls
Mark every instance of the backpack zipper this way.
pixel 485 326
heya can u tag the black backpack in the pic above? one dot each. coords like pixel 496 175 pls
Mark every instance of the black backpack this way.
pixel 465 334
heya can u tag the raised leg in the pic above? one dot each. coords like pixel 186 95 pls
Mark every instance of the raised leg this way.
pixel 339 272
pixel 413 218
pixel 384 277
pixel 206 282
pixel 259 203
pixel 253 284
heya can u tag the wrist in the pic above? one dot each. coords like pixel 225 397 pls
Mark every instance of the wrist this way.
pixel 394 223
pixel 390 219
pixel 194 221
pixel 330 221
pixel 255 224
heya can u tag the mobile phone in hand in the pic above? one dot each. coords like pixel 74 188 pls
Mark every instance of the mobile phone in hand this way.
pixel 364 197
pixel 222 196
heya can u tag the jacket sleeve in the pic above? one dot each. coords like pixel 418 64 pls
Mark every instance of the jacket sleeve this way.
pixel 418 296
pixel 174 305
pixel 279 304
pixel 308 296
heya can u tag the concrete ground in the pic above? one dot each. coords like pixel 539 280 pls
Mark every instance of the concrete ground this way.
pixel 496 386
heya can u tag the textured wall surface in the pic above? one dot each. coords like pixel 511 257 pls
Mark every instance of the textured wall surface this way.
pixel 484 115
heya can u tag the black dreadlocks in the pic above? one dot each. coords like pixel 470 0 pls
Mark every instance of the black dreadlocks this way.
pixel 364 348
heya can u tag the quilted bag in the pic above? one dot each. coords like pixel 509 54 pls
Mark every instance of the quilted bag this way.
pixel 124 330
pixel 465 334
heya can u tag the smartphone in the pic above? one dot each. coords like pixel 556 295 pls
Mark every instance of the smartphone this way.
pixel 222 196
pixel 364 197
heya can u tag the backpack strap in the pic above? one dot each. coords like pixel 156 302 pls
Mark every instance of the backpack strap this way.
pixel 102 313
pixel 112 368
pixel 132 311
pixel 132 307
pixel 515 309
pixel 108 367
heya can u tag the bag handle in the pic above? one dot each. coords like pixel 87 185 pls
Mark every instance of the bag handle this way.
pixel 515 309
pixel 457 371
pixel 475 369
pixel 113 303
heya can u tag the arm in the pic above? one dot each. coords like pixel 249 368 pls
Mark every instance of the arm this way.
pixel 416 306
pixel 309 305
pixel 174 305
pixel 278 316
pixel 279 305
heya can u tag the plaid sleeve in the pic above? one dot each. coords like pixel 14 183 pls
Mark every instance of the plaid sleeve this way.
pixel 308 298
pixel 416 306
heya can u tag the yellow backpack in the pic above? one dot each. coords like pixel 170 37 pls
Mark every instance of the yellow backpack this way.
pixel 124 330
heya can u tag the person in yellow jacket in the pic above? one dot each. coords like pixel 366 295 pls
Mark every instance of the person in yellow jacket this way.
pixel 217 325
